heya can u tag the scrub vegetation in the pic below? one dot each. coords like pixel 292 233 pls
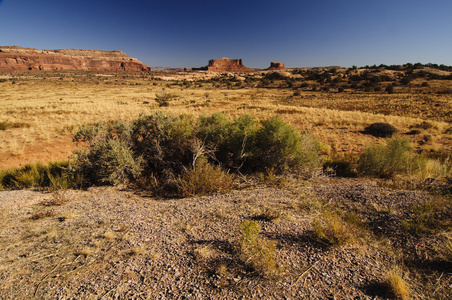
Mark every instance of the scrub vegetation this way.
pixel 314 182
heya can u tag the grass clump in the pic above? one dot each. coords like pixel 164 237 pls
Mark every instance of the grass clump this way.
pixel 257 252
pixel 332 230
pixel 385 161
pixel 55 175
pixel 397 286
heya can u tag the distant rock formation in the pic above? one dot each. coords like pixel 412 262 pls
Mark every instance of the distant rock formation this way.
pixel 276 66
pixel 225 65
pixel 14 58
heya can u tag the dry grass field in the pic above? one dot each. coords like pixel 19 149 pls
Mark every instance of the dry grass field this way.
pixel 274 235
pixel 43 109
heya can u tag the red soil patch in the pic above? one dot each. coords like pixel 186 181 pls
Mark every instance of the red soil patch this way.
pixel 54 150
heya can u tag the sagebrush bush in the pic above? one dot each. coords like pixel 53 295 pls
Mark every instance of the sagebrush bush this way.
pixel 232 141
pixel 163 98
pixel 108 158
pixel 165 144
pixel 388 160
pixel 279 146
pixel 162 151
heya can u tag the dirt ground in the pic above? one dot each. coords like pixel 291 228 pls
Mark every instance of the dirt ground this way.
pixel 117 243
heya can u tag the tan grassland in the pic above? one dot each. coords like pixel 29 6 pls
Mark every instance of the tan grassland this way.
pixel 48 107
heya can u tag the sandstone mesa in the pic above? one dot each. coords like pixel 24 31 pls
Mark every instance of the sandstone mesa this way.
pixel 14 58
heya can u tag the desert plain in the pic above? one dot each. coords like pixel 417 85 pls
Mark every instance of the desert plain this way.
pixel 391 237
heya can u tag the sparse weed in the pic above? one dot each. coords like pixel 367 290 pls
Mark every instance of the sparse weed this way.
pixel 58 198
pixel 204 179
pixel 333 231
pixel 205 251
pixel 270 214
pixel 42 215
pixel 429 216
pixel 257 252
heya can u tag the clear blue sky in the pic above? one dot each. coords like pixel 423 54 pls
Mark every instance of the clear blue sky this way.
pixel 184 33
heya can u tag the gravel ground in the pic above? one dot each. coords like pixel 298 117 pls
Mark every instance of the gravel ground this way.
pixel 108 243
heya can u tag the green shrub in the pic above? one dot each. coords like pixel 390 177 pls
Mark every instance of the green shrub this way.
pixel 232 142
pixel 386 161
pixel 108 159
pixel 165 144
pixel 162 150
pixel 279 146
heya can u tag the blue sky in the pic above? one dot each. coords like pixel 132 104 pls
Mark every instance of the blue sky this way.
pixel 177 33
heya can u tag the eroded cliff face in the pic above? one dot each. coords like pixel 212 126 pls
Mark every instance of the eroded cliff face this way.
pixel 29 59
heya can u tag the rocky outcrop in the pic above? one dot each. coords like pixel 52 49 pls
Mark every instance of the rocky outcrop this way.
pixel 276 66
pixel 225 65
pixel 29 59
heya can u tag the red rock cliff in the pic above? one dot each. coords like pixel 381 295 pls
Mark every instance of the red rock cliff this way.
pixel 25 59
pixel 276 66
pixel 225 65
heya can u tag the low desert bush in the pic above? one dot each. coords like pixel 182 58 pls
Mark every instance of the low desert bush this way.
pixel 163 98
pixel 381 130
pixel 5 125
pixel 257 252
pixel 279 146
pixel 388 160
pixel 339 167
pixel 162 151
